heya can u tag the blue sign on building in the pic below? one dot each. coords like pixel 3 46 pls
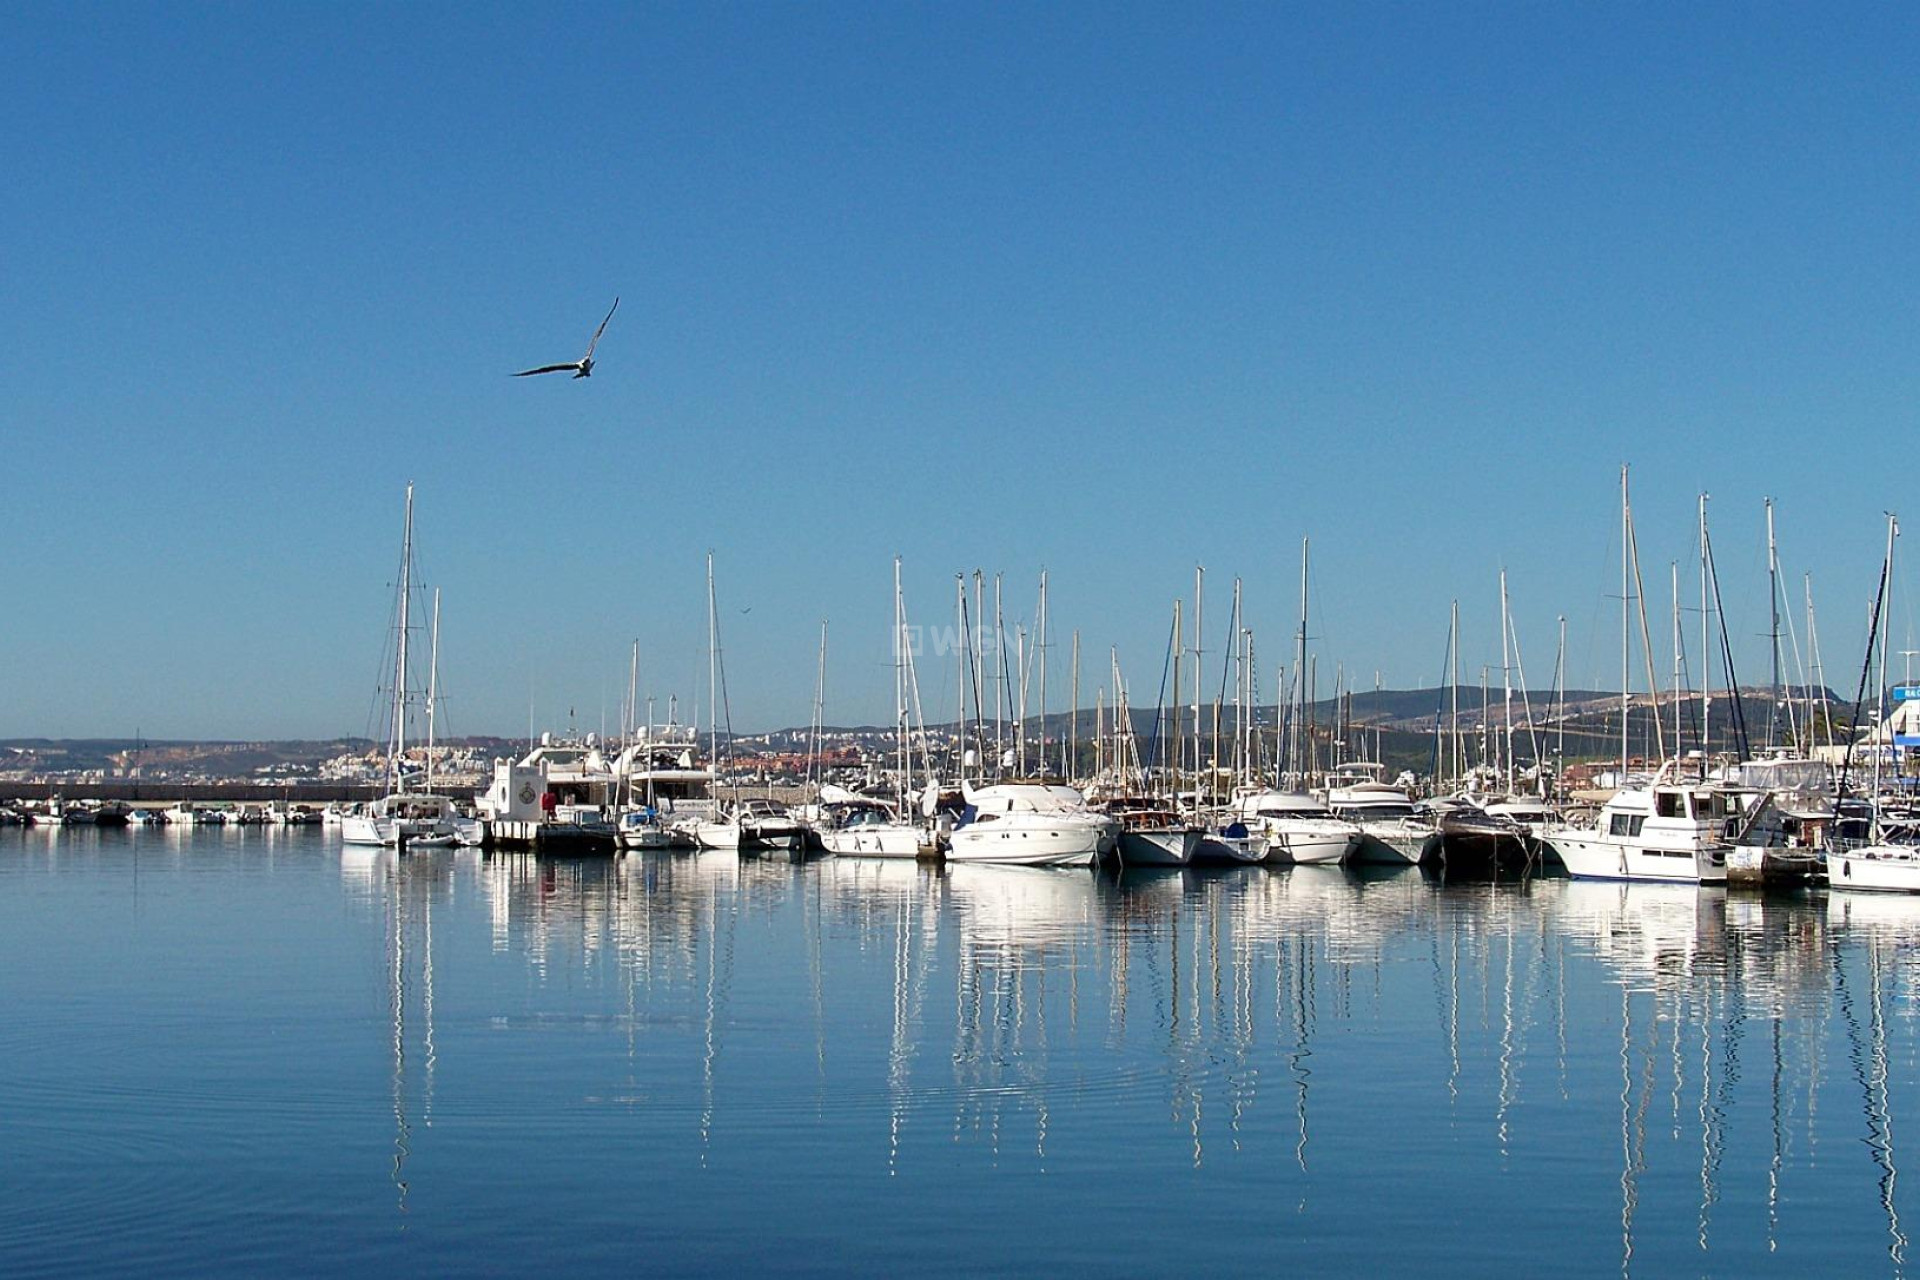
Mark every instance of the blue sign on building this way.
pixel 1906 692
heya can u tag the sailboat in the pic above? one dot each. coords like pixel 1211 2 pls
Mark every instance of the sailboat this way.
pixel 1885 864
pixel 1033 823
pixel 860 825
pixel 402 817
pixel 750 825
pixel 1153 833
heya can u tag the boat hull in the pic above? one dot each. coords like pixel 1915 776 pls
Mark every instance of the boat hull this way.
pixel 1309 843
pixel 1219 850
pixel 1595 857
pixel 1877 869
pixel 872 840
pixel 1392 845
pixel 1158 847
pixel 1064 845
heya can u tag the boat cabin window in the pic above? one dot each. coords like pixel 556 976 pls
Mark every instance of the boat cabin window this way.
pixel 1667 804
pixel 1628 824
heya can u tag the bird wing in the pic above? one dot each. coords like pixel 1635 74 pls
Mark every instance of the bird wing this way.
pixel 548 368
pixel 602 329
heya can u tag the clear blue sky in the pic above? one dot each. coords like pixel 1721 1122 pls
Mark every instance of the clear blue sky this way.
pixel 1110 289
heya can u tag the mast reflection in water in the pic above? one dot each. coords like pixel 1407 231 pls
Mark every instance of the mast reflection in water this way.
pixel 256 1051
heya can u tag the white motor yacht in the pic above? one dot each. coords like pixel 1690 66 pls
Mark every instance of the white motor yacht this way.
pixel 1032 824
pixel 752 826
pixel 1298 828
pixel 1674 829
pixel 1390 834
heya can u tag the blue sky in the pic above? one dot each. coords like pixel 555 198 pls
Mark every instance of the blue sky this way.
pixel 1112 290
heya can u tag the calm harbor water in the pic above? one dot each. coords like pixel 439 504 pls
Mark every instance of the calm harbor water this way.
pixel 254 1052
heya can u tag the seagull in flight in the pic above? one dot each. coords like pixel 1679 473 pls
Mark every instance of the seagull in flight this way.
pixel 583 367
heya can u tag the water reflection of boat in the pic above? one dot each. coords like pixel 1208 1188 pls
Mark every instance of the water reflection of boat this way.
pixel 1011 908
pixel 1885 920
pixel 405 890
pixel 1651 934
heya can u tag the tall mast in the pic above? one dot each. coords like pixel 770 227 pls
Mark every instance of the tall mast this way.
pixel 713 673
pixel 1005 692
pixel 961 651
pixel 979 629
pixel 1199 732
pixel 1041 644
pixel 1506 682
pixel 819 710
pixel 1178 755
pixel 1237 647
pixel 1019 716
pixel 1678 658
pixel 1773 628
pixel 1099 732
pixel 1646 647
pixel 631 729
pixel 1626 625
pixel 1453 713
pixel 1073 721
pixel 397 743
pixel 1816 674
pixel 1706 636
pixel 1883 720
pixel 1298 741
pixel 1313 699
pixel 433 682
pixel 1560 697
pixel 903 759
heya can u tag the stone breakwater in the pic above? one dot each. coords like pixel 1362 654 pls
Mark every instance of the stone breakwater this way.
pixel 161 793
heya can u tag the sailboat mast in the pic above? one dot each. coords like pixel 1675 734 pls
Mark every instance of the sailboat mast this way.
pixel 1073 720
pixel 1626 628
pixel 433 682
pixel 1236 647
pixel 961 651
pixel 1706 636
pixel 1884 721
pixel 1816 674
pixel 819 710
pixel 1019 717
pixel 1297 741
pixel 1560 696
pixel 978 626
pixel 1773 628
pixel 1506 683
pixel 397 748
pixel 1042 645
pixel 713 672
pixel 904 759
pixel 1453 712
pixel 632 726
pixel 1004 694
pixel 1199 730
pixel 1678 657
pixel 1178 755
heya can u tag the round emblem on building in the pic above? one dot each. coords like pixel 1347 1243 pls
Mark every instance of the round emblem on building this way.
pixel 526 793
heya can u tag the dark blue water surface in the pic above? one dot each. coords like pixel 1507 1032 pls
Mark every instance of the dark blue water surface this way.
pixel 252 1052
